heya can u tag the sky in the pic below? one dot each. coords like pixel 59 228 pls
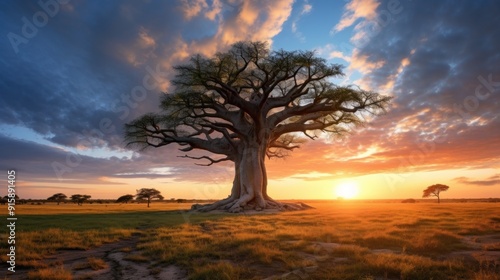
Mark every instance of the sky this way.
pixel 73 72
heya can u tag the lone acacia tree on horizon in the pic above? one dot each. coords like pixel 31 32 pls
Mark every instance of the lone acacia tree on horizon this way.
pixel 435 190
pixel 148 194
pixel 248 103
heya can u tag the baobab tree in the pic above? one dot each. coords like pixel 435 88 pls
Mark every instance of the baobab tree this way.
pixel 248 103
pixel 435 190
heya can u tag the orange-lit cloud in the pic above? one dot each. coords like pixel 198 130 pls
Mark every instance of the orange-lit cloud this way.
pixel 192 8
pixel 490 181
pixel 355 10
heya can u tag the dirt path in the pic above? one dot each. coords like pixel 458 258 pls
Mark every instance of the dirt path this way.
pixel 484 249
pixel 121 260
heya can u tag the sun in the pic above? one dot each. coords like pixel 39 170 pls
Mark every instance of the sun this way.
pixel 347 190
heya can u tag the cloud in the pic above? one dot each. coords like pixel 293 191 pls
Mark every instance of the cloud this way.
pixel 441 68
pixel 331 51
pixel 354 10
pixel 41 164
pixel 491 181
pixel 94 67
pixel 84 71
pixel 68 80
pixel 306 9
pixel 192 8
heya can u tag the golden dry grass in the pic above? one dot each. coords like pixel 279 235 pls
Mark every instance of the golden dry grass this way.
pixel 337 240
pixel 86 208
pixel 97 264
pixel 58 273
pixel 33 246
pixel 418 238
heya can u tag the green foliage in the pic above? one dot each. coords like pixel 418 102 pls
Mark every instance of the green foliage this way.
pixel 218 101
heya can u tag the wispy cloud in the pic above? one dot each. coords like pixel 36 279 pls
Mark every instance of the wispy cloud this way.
pixel 354 10
pixel 491 181
pixel 305 9
pixel 330 51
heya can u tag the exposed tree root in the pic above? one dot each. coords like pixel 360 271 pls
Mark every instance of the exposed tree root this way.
pixel 238 205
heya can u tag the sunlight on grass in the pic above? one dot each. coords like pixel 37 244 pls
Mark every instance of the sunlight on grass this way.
pixel 217 271
pixel 35 245
pixel 291 240
pixel 97 264
pixel 50 274
pixel 337 240
pixel 71 208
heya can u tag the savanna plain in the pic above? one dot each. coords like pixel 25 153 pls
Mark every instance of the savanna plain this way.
pixel 335 240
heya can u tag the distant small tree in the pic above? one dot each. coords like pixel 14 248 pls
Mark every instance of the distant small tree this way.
pixel 148 194
pixel 80 198
pixel 125 198
pixel 435 190
pixel 58 197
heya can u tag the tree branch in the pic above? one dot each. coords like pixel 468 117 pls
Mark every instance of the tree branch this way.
pixel 212 161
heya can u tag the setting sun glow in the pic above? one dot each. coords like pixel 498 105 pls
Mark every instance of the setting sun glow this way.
pixel 347 190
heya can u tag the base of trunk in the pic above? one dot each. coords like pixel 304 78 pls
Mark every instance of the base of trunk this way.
pixel 235 205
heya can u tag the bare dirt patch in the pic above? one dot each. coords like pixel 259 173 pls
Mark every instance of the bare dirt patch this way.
pixel 117 263
pixel 483 249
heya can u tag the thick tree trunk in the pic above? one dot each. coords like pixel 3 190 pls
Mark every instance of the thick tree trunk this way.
pixel 249 191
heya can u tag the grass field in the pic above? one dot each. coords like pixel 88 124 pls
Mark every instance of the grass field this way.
pixel 337 240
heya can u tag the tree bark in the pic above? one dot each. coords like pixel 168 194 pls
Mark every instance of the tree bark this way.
pixel 249 190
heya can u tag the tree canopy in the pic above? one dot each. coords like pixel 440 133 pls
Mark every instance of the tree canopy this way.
pixel 148 194
pixel 125 198
pixel 58 197
pixel 248 103
pixel 80 198
pixel 435 190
